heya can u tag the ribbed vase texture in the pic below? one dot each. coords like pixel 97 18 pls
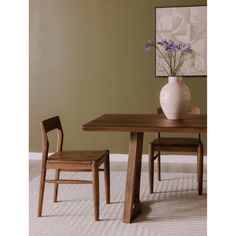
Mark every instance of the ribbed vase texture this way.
pixel 175 97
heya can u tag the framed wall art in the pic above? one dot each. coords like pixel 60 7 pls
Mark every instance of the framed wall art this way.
pixel 185 26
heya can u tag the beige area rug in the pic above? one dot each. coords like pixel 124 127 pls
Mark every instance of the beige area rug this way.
pixel 174 209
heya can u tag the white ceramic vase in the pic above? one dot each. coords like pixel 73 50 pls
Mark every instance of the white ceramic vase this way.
pixel 175 97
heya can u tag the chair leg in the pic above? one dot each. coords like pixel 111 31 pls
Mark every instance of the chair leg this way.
pixel 95 173
pixel 57 176
pixel 107 179
pixel 151 167
pixel 200 168
pixel 159 166
pixel 41 189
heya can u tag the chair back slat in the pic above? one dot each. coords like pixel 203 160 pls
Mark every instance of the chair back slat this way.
pixel 190 111
pixel 48 125
pixel 51 124
pixel 194 110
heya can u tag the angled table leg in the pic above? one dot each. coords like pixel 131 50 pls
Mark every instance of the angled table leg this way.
pixel 132 206
pixel 200 168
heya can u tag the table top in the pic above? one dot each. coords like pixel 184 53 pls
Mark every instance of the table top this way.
pixel 147 123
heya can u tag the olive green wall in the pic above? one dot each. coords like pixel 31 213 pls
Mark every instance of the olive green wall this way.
pixel 87 58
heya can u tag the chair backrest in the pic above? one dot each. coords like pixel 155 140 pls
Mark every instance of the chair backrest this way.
pixel 190 110
pixel 47 126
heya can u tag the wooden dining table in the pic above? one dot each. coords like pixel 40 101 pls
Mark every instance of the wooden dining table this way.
pixel 136 125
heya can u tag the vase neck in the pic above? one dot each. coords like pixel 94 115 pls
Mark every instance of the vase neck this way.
pixel 174 79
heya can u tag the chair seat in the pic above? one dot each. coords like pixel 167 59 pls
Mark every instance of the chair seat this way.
pixel 77 156
pixel 176 142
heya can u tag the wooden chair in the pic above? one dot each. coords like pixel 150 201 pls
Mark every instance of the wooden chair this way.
pixel 170 144
pixel 71 161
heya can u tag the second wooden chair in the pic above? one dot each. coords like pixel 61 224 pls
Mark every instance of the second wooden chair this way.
pixel 175 144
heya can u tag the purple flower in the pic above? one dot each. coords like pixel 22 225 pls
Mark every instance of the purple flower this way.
pixel 164 43
pixel 188 50
pixel 174 47
pixel 171 45
pixel 171 53
pixel 148 45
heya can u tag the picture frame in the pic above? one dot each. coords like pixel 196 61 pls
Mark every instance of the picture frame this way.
pixel 187 25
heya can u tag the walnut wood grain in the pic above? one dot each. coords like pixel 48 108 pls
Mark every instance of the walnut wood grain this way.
pixel 147 123
pixel 132 205
pixel 136 125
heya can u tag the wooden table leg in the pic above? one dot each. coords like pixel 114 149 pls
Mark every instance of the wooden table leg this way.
pixel 132 206
pixel 200 168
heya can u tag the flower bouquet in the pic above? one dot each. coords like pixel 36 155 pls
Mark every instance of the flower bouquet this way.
pixel 171 53
pixel 175 95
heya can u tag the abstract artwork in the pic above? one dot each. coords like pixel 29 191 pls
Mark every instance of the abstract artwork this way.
pixel 187 25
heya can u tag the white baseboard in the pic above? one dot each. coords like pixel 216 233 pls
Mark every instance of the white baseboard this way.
pixel 186 159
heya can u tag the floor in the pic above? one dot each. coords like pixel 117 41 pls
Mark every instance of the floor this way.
pixel 174 209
